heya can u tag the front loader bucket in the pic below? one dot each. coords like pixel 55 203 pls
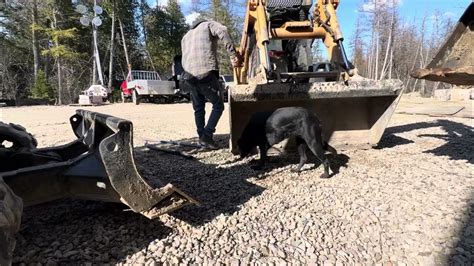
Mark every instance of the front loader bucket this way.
pixel 454 62
pixel 353 115
pixel 99 165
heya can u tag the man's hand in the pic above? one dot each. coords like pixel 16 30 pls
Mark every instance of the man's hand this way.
pixel 236 60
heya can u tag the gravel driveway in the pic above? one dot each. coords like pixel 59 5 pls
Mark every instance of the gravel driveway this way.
pixel 410 201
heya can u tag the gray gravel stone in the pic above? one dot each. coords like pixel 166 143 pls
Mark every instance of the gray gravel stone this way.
pixel 379 208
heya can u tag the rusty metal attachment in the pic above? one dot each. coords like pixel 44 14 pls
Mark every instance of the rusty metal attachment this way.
pixel 454 62
pixel 98 165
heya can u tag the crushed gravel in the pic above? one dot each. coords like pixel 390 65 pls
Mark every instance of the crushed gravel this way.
pixel 410 201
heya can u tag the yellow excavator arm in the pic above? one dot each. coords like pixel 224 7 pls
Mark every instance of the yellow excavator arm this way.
pixel 320 22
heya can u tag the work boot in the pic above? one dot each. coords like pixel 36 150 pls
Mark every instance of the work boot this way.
pixel 208 142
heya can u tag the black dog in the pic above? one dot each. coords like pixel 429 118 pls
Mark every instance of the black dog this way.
pixel 266 129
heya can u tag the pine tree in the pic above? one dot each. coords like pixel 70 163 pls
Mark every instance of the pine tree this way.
pixel 42 89
pixel 129 15
pixel 220 11
pixel 165 29
pixel 16 67
pixel 59 50
pixel 176 26
pixel 357 44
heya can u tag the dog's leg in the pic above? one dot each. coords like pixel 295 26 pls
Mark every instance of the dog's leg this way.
pixel 318 150
pixel 263 158
pixel 302 152
pixel 326 167
pixel 329 148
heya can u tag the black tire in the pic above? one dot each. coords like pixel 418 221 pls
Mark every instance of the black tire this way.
pixel 226 94
pixel 169 99
pixel 135 97
pixel 284 3
pixel 17 135
pixel 185 97
pixel 11 208
pixel 122 96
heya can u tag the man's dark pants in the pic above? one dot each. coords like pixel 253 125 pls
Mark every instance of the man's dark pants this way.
pixel 206 89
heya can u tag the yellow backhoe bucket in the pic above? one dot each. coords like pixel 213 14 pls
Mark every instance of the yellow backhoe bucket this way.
pixel 352 116
pixel 454 62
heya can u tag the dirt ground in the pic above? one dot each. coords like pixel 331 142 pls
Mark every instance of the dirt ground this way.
pixel 409 201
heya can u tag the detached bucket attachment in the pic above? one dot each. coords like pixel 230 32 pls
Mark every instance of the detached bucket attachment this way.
pixel 99 165
pixel 353 115
pixel 454 62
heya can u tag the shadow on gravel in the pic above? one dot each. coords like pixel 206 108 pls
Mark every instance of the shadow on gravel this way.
pixel 78 231
pixel 221 185
pixel 459 146
pixel 459 138
pixel 391 141
pixel 281 161
pixel 463 251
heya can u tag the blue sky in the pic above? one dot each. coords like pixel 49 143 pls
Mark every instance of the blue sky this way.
pixel 411 10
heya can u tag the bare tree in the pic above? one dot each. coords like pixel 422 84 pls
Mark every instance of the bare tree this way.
pixel 112 39
pixel 124 43
pixel 34 38
pixel 393 48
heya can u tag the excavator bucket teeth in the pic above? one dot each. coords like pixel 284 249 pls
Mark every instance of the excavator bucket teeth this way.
pixel 353 115
pixel 98 165
pixel 454 62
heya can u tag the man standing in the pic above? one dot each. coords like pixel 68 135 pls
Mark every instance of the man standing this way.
pixel 201 72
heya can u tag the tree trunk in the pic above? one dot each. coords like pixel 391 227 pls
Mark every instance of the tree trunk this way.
pixel 370 65
pixel 413 68
pixel 67 80
pixel 112 38
pixel 47 66
pixel 387 49
pixel 58 61
pixel 124 44
pixel 422 60
pixel 34 37
pixel 60 102
pixel 391 64
pixel 375 28
pixel 376 76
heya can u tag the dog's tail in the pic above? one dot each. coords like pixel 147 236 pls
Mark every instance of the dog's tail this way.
pixel 329 148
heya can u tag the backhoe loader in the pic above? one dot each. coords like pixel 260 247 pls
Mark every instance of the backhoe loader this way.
pixel 277 71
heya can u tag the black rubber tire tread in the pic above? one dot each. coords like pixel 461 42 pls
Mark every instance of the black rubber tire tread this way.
pixel 122 97
pixel 136 99
pixel 284 3
pixel 11 208
pixel 17 135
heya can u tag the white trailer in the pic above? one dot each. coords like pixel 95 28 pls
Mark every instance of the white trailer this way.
pixel 148 85
pixel 95 94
